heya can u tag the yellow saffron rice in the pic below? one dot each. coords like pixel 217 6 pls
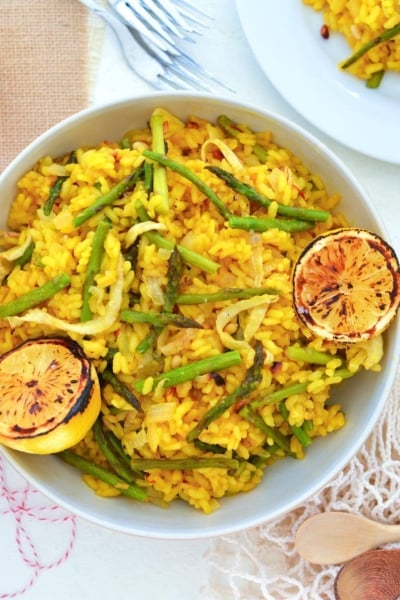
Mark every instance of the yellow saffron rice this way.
pixel 361 21
pixel 244 259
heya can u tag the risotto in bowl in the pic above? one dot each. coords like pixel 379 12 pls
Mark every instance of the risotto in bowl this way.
pixel 178 355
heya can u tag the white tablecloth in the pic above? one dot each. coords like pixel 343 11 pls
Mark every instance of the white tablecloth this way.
pixel 47 553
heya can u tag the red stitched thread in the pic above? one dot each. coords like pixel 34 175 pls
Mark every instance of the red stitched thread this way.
pixel 17 505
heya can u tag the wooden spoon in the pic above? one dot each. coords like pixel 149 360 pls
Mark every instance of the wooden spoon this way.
pixel 335 537
pixel 374 575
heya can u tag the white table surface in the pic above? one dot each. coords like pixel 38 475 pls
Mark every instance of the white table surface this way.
pixel 47 553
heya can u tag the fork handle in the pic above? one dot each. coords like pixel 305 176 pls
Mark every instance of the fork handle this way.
pixel 136 56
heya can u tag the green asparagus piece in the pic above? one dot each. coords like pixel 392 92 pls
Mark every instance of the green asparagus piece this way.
pixel 309 355
pixel 374 81
pixel 184 464
pixel 250 382
pixel 21 260
pixel 131 254
pixel 25 257
pixel 295 388
pixel 260 224
pixel 190 176
pixel 296 212
pixel 281 394
pixel 86 466
pixel 35 296
pixel 53 195
pixel 224 294
pixel 343 373
pixel 205 447
pixel 193 370
pixel 160 184
pixel 299 432
pixel 109 197
pixel 383 37
pixel 189 256
pixel 56 188
pixel 233 129
pixel 93 267
pixel 116 446
pixel 175 268
pixel 148 177
pixel 108 376
pixel 147 342
pixel 159 319
pixel 113 460
pixel 253 417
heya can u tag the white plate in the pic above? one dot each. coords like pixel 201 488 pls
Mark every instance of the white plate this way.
pixel 302 66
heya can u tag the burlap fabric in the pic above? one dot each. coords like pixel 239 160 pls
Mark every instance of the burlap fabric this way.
pixel 43 68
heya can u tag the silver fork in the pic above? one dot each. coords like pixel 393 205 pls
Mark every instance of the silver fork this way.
pixel 161 21
pixel 163 69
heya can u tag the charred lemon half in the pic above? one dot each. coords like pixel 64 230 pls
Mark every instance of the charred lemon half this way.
pixel 49 395
pixel 346 285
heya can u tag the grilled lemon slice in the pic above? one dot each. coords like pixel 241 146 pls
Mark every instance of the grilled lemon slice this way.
pixel 346 285
pixel 49 395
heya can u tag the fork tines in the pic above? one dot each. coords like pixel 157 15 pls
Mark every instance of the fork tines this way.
pixel 149 36
pixel 161 21
pixel 159 26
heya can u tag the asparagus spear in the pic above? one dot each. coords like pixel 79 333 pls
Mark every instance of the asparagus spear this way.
pixel 113 460
pixel 86 466
pixel 250 382
pixel 25 257
pixel 148 177
pixel 159 319
pixel 184 464
pixel 93 267
pixel 304 214
pixel 192 370
pixel 115 445
pixel 308 355
pixel 131 254
pixel 160 185
pixel 205 447
pixel 299 432
pixel 109 197
pixel 121 389
pixel 383 37
pixel 294 388
pixel 190 176
pixel 260 224
pixel 233 129
pixel 281 394
pixel 272 432
pixel 374 81
pixel 56 188
pixel 35 296
pixel 189 256
pixel 147 342
pixel 223 294
pixel 175 268
pixel 53 195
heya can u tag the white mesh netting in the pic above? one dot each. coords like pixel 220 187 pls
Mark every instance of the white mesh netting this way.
pixel 262 563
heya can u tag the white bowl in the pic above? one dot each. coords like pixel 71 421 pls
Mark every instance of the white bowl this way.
pixel 286 484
